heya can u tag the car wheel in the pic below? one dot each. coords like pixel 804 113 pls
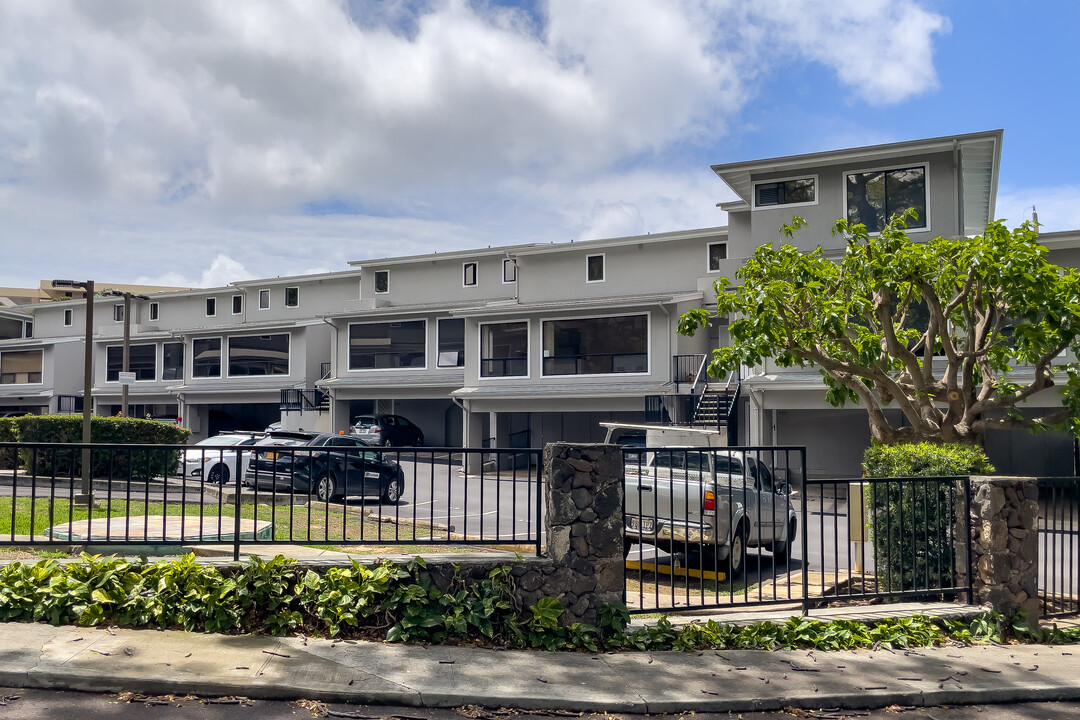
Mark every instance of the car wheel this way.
pixel 392 491
pixel 324 488
pixel 736 562
pixel 418 440
pixel 388 443
pixel 626 543
pixel 782 550
pixel 218 475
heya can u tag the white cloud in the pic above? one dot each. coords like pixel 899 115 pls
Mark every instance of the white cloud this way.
pixel 146 139
pixel 1058 207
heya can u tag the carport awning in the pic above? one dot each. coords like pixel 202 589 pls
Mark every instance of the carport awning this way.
pixel 232 388
pixel 398 379
pixel 575 390
pixel 14 394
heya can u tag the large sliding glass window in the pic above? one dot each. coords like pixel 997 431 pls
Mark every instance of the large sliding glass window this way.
pixel 504 349
pixel 874 197
pixel 259 355
pixel 142 360
pixel 388 345
pixel 452 342
pixel 206 360
pixel 20 367
pixel 172 361
pixel 597 346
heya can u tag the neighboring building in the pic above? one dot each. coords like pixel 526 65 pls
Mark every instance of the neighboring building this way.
pixel 523 345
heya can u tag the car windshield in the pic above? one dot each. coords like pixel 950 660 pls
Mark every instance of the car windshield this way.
pixel 222 440
pixel 283 441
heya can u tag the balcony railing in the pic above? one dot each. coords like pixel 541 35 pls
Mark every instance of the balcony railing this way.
pixel 303 400
pixel 596 364
pixel 504 367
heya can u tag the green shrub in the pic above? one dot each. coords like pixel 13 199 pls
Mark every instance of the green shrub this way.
pixel 138 464
pixel 911 521
pixel 7 434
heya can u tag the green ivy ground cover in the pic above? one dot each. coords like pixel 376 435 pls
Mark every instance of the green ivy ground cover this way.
pixel 386 602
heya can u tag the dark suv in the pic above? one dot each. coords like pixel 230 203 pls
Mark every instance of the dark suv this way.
pixel 323 465
pixel 387 430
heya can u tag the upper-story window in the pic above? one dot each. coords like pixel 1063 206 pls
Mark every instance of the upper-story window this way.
pixel 504 349
pixel 118 313
pixel 594 268
pixel 211 307
pixel 264 299
pixel 68 317
pixel 509 270
pixel 717 255
pixel 876 195
pixel 142 360
pixel 795 191
pixel 596 346
pixel 155 311
pixel 172 361
pixel 387 345
pixel 382 281
pixel 468 274
pixel 259 355
pixel 28 328
pixel 206 358
pixel 451 342
pixel 19 367
pixel 237 304
pixel 292 297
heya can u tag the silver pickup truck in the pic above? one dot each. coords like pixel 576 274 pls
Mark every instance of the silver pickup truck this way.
pixel 709 502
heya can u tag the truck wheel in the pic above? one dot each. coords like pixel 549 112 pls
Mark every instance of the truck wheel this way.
pixel 736 562
pixel 626 543
pixel 782 550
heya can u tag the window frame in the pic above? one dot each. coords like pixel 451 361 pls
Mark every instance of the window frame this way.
pixel 899 165
pixel 528 350
pixel 131 346
pixel 438 340
pixel 161 359
pixel 235 298
pixel 296 290
pixel 708 256
pixel 155 311
pixel 603 268
pixel 648 345
pixel 69 317
pixel 118 312
pixel 211 302
pixel 375 278
pixel 348 346
pixel 41 371
pixel 772 181
pixel 465 274
pixel 511 262
pixel 264 294
pixel 226 359
pixel 189 363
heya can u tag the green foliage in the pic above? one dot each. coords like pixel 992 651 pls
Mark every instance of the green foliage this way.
pixel 934 328
pixel 118 462
pixel 7 434
pixel 911 521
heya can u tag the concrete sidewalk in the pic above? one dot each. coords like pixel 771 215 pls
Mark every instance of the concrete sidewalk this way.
pixel 152 662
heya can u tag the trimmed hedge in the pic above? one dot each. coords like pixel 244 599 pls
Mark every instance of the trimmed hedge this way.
pixel 911 522
pixel 7 434
pixel 137 464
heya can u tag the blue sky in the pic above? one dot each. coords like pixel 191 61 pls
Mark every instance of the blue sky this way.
pixel 200 143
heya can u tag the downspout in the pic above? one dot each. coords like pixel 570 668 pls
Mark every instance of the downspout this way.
pixel 333 364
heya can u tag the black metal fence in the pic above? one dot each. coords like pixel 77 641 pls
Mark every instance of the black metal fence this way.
pixel 162 496
pixel 1059 554
pixel 712 527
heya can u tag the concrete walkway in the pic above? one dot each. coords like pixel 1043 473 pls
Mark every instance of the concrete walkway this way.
pixel 152 662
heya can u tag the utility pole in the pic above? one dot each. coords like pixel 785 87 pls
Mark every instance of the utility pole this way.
pixel 86 497
pixel 127 342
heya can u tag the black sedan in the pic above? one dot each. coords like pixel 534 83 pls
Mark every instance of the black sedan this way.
pixel 323 465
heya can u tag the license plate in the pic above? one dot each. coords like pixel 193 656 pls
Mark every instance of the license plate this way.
pixel 373 475
pixel 271 456
pixel 641 524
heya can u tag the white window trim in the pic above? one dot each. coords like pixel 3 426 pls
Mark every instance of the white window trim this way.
pixel 708 256
pixel 118 309
pixel 438 324
pixel 161 360
pixel 189 359
pixel 225 347
pixel 386 370
pixel 528 350
pixel 157 364
pixel 925 165
pixel 285 297
pixel 206 307
pixel 375 282
pixel 42 382
pixel 753 192
pixel 476 274
pixel 69 317
pixel 648 344
pixel 513 264
pixel 232 306
pixel 268 299
pixel 154 313
pixel 603 256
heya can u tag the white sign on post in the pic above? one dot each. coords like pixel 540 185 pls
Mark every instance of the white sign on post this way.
pixel 127 378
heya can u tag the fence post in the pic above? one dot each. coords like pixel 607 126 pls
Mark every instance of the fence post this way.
pixel 997 548
pixel 236 506
pixel 584 525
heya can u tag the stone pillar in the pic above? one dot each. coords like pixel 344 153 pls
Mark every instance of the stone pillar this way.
pixel 584 528
pixel 1004 545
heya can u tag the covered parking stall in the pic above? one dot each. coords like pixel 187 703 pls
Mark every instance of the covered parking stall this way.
pixel 207 411
pixel 417 396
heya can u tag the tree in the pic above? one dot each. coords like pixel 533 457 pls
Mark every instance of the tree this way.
pixel 956 333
